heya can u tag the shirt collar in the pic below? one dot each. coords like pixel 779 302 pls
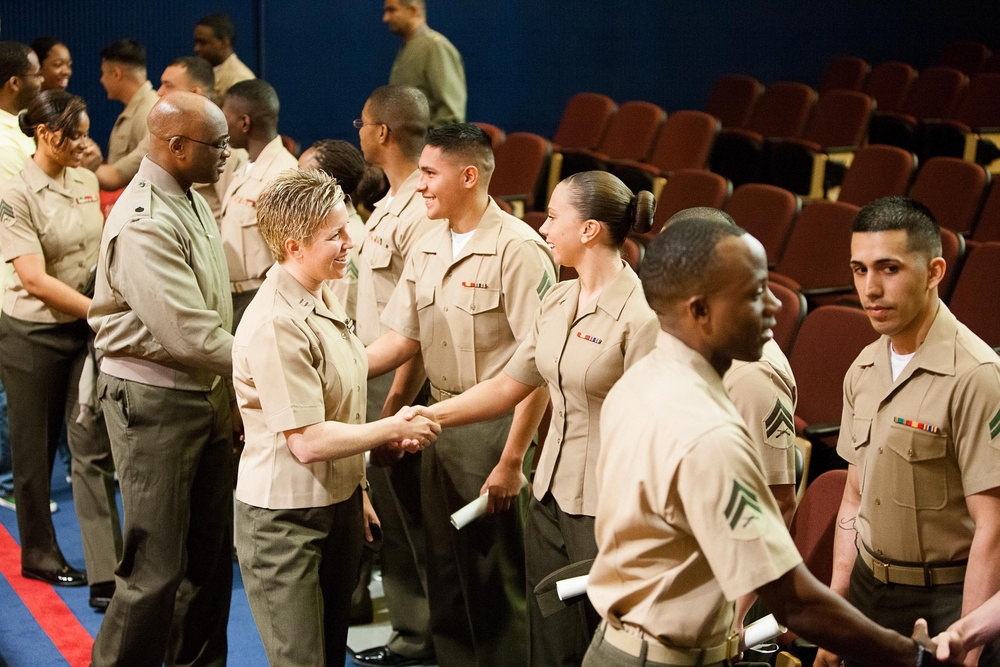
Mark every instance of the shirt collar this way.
pixel 483 242
pixel 159 177
pixel 936 354
pixel 615 295
pixel 673 348
pixel 404 194
pixel 9 120
pixel 302 301
pixel 38 180
pixel 145 89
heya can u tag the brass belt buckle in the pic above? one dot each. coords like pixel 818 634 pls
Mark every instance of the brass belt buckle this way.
pixel 733 645
pixel 880 570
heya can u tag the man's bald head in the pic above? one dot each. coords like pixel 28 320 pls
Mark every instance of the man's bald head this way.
pixel 186 131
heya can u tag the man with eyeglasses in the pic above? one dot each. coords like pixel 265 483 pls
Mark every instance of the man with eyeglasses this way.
pixel 163 317
pixel 251 111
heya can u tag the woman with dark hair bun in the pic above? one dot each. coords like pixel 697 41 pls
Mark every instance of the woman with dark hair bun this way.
pixel 586 333
pixel 55 61
pixel 51 233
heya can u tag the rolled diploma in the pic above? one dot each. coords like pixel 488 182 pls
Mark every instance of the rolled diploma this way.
pixel 762 631
pixel 475 509
pixel 572 587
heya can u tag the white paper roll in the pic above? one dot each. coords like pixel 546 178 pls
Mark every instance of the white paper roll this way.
pixel 762 631
pixel 475 509
pixel 572 587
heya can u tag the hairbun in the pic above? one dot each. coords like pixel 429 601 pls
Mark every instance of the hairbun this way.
pixel 640 210
pixel 23 123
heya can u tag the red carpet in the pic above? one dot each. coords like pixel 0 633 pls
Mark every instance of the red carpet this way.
pixel 67 634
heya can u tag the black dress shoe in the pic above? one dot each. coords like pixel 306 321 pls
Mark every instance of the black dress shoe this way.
pixel 62 576
pixel 100 595
pixel 382 656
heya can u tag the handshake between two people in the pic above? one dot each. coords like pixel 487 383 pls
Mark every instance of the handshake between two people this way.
pixel 416 428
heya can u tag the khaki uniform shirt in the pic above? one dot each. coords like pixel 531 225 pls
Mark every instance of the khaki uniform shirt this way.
pixel 686 523
pixel 924 442
pixel 580 356
pixel 162 309
pixel 15 147
pixel 391 232
pixel 214 192
pixel 130 136
pixel 58 219
pixel 230 71
pixel 295 364
pixel 469 313
pixel 764 393
pixel 247 255
pixel 429 62
pixel 346 289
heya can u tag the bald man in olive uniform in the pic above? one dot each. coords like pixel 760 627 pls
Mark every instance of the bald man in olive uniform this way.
pixel 163 314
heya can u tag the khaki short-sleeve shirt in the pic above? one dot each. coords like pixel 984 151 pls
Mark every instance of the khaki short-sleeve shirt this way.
pixel 230 71
pixel 247 255
pixel 295 364
pixel 130 136
pixel 765 395
pixel 469 313
pixel 396 224
pixel 580 356
pixel 58 219
pixel 924 442
pixel 686 522
pixel 15 146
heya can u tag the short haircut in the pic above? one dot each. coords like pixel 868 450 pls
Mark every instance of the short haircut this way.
pixel 601 196
pixel 293 206
pixel 420 4
pixel 700 212
pixel 126 52
pixel 340 159
pixel 57 110
pixel 13 60
pixel 404 110
pixel 221 25
pixel 199 70
pixel 468 142
pixel 893 213
pixel 681 258
pixel 260 98
pixel 43 45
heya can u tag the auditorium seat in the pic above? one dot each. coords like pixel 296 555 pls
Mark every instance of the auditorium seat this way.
pixel 686 188
pixel 684 142
pixel 783 111
pixel 767 212
pixel 972 132
pixel 522 162
pixel 497 135
pixel 889 84
pixel 733 99
pixel 965 55
pixel 630 136
pixel 845 73
pixel 933 95
pixel 810 164
pixel 584 121
pixel 789 317
pixel 987 229
pixel 953 190
pixel 877 171
pixel 976 298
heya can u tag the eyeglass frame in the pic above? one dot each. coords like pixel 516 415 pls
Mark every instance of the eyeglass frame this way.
pixel 222 148
pixel 359 123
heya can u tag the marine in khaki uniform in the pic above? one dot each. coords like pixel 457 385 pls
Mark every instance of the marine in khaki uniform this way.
pixel 299 374
pixel 920 517
pixel 251 110
pixel 469 292
pixel 427 61
pixel 213 40
pixel 123 75
pixel 685 525
pixel 163 317
pixel 586 333
pixel 392 130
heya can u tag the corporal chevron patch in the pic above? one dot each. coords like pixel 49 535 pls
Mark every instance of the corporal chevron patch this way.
pixel 778 425
pixel 6 214
pixel 544 285
pixel 995 426
pixel 352 270
pixel 743 512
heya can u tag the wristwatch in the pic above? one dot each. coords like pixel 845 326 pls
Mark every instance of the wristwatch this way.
pixel 924 658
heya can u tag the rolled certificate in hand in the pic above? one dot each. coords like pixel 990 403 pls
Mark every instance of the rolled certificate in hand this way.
pixel 475 509
pixel 572 587
pixel 762 631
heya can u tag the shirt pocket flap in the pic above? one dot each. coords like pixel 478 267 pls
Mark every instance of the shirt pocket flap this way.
pixel 915 445
pixel 478 300
pixel 861 430
pixel 424 295
pixel 377 256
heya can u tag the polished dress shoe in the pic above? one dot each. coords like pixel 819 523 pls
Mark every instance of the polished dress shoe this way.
pixel 381 656
pixel 100 595
pixel 60 576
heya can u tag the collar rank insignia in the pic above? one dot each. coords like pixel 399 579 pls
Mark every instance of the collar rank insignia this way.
pixel 778 425
pixel 588 337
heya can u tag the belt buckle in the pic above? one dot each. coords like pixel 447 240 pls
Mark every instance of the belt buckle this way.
pixel 733 645
pixel 880 570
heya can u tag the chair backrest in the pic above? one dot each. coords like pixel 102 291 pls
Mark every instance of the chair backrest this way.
pixel 815 523
pixel 535 219
pixel 828 342
pixel 988 227
pixel 584 121
pixel 845 73
pixel 877 171
pixel 632 131
pixel 965 55
pixel 980 103
pixel 687 188
pixel 818 252
pixel 789 317
pixel 975 300
pixel 953 250
pixel 953 190
pixel 521 162
pixel 783 110
pixel 733 98
pixel 935 92
pixel 497 136
pixel 685 141
pixel 839 119
pixel 889 84
pixel 767 212
pixel 632 253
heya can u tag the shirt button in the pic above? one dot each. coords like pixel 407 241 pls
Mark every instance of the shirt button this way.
pixel 879 450
pixel 878 501
pixel 357 415
pixel 445 309
pixel 82 245
pixel 472 307
pixel 444 343
pixel 909 453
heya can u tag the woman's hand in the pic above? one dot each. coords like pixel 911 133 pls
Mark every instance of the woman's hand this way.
pixel 416 428
pixel 504 484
